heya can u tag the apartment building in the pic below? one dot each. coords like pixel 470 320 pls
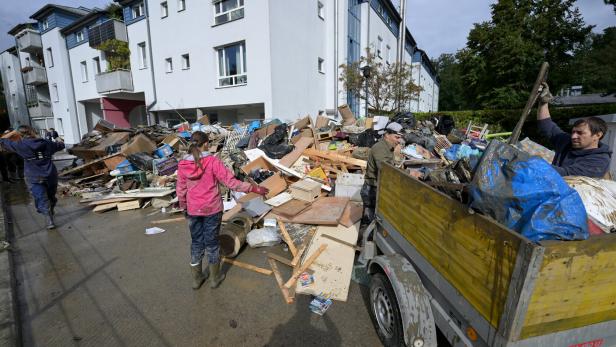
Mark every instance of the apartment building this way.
pixel 231 59
pixel 13 86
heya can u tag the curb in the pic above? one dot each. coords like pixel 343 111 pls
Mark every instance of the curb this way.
pixel 9 331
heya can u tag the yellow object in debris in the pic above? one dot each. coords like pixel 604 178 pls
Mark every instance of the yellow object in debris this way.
pixel 318 173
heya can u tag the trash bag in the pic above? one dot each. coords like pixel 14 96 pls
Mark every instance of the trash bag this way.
pixel 365 139
pixel 426 141
pixel 263 237
pixel 275 145
pixel 406 119
pixel 142 160
pixel 444 124
pixel 527 195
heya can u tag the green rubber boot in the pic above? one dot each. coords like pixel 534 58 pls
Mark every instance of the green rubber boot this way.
pixel 217 276
pixel 197 275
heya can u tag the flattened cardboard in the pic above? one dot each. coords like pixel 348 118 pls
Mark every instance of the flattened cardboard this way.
pixel 137 144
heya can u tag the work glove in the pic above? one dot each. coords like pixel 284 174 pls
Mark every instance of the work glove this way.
pixel 544 94
pixel 258 189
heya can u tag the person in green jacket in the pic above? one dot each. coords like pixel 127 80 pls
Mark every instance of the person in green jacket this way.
pixel 382 151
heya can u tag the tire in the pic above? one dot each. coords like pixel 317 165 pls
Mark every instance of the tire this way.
pixel 384 311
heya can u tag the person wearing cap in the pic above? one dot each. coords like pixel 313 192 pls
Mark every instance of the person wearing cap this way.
pixel 382 151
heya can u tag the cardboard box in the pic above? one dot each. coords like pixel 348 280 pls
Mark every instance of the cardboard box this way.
pixel 306 190
pixel 137 144
pixel 347 115
pixel 276 183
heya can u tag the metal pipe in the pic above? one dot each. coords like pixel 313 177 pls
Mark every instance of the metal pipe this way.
pixel 147 21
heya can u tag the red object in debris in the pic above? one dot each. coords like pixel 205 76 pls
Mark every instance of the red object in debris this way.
pixel 593 343
pixel 593 228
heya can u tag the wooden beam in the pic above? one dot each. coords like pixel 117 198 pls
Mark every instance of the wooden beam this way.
pixel 247 266
pixel 341 242
pixel 280 259
pixel 129 205
pixel 287 238
pixel 283 289
pixel 303 247
pixel 170 220
pixel 335 157
pixel 291 282
pixel 105 207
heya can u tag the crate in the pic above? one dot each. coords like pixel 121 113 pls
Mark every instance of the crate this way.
pixel 306 190
pixel 349 185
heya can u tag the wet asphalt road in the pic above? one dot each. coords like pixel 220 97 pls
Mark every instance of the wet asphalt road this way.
pixel 99 281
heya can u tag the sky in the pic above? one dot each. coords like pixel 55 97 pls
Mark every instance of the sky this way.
pixel 438 26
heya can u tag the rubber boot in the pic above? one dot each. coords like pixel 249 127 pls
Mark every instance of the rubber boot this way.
pixel 50 221
pixel 197 275
pixel 217 276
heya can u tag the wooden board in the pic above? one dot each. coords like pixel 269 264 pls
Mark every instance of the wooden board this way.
pixel 333 268
pixel 473 253
pixel 105 207
pixel 108 201
pixel 576 286
pixel 352 214
pixel 324 211
pixel 291 208
pixel 303 143
pixel 129 205
pixel 335 157
pixel 87 165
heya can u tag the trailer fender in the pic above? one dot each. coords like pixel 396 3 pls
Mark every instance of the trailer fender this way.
pixel 412 298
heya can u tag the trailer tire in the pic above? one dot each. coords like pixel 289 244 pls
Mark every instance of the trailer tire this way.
pixel 384 311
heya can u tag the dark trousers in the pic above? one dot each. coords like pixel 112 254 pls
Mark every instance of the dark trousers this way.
pixel 4 167
pixel 43 190
pixel 204 234
pixel 368 197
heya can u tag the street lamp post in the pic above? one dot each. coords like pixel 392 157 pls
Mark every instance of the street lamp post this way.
pixel 366 73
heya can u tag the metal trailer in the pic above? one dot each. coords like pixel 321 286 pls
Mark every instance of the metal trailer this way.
pixel 434 263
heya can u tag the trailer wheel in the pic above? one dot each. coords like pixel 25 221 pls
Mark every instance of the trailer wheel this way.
pixel 384 311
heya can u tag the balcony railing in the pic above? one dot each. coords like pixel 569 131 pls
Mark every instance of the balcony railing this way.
pixel 29 41
pixel 35 76
pixel 111 29
pixel 114 82
pixel 41 109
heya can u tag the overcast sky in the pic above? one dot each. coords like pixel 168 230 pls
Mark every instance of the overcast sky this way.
pixel 439 26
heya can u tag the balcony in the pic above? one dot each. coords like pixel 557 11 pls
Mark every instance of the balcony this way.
pixel 29 41
pixel 117 81
pixel 35 76
pixel 40 109
pixel 109 30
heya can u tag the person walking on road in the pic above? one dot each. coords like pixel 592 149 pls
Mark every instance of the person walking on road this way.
pixel 39 171
pixel 199 174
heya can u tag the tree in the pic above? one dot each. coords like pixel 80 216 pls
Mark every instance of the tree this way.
pixel 594 63
pixel 451 94
pixel 611 2
pixel 117 54
pixel 502 57
pixel 390 87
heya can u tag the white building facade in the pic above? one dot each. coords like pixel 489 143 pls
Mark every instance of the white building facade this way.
pixel 13 86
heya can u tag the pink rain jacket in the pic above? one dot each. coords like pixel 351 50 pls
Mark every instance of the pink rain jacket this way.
pixel 197 189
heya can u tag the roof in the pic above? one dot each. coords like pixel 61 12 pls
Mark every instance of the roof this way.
pixel 19 27
pixel 585 99
pixel 608 118
pixel 426 60
pixel 85 20
pixel 45 10
pixel 11 50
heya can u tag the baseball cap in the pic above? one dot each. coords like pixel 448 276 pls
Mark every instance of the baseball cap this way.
pixel 392 128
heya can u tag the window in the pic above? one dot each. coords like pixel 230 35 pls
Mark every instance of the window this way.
pixel 79 36
pixel 185 62
pixel 388 55
pixel 143 58
pixel 137 10
pixel 54 92
pixel 181 5
pixel 164 9
pixel 28 63
pixel 232 65
pixel 169 65
pixel 228 10
pixel 49 57
pixel 321 10
pixel 321 65
pixel 379 48
pixel 96 62
pixel 45 24
pixel 84 72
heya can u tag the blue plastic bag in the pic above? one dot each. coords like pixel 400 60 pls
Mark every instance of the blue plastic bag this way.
pixel 527 195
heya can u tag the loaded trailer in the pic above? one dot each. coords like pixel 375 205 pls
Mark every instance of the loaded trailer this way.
pixel 436 264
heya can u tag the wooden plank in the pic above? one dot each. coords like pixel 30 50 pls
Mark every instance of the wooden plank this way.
pixel 170 220
pixel 290 159
pixel 105 207
pixel 324 211
pixel 287 238
pixel 283 289
pixel 291 282
pixel 342 242
pixel 108 201
pixel 473 253
pixel 352 214
pixel 247 266
pixel 576 286
pixel 280 259
pixel 335 157
pixel 291 209
pixel 86 165
pixel 334 267
pixel 129 205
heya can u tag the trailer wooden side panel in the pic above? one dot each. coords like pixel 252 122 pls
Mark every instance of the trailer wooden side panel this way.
pixel 576 286
pixel 475 254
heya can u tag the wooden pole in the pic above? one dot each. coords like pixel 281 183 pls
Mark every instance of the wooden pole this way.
pixel 247 266
pixel 291 282
pixel 287 238
pixel 532 98
pixel 283 289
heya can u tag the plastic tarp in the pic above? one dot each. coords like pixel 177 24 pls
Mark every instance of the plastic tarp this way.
pixel 527 195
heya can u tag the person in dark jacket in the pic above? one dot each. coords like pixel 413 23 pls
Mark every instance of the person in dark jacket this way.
pixel 39 171
pixel 51 134
pixel 580 153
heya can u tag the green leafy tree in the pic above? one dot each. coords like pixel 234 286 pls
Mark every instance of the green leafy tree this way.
pixel 117 54
pixel 594 65
pixel 502 57
pixel 115 11
pixel 611 2
pixel 451 92
pixel 390 87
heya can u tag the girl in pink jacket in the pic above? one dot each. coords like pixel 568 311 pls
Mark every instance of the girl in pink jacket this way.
pixel 199 174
